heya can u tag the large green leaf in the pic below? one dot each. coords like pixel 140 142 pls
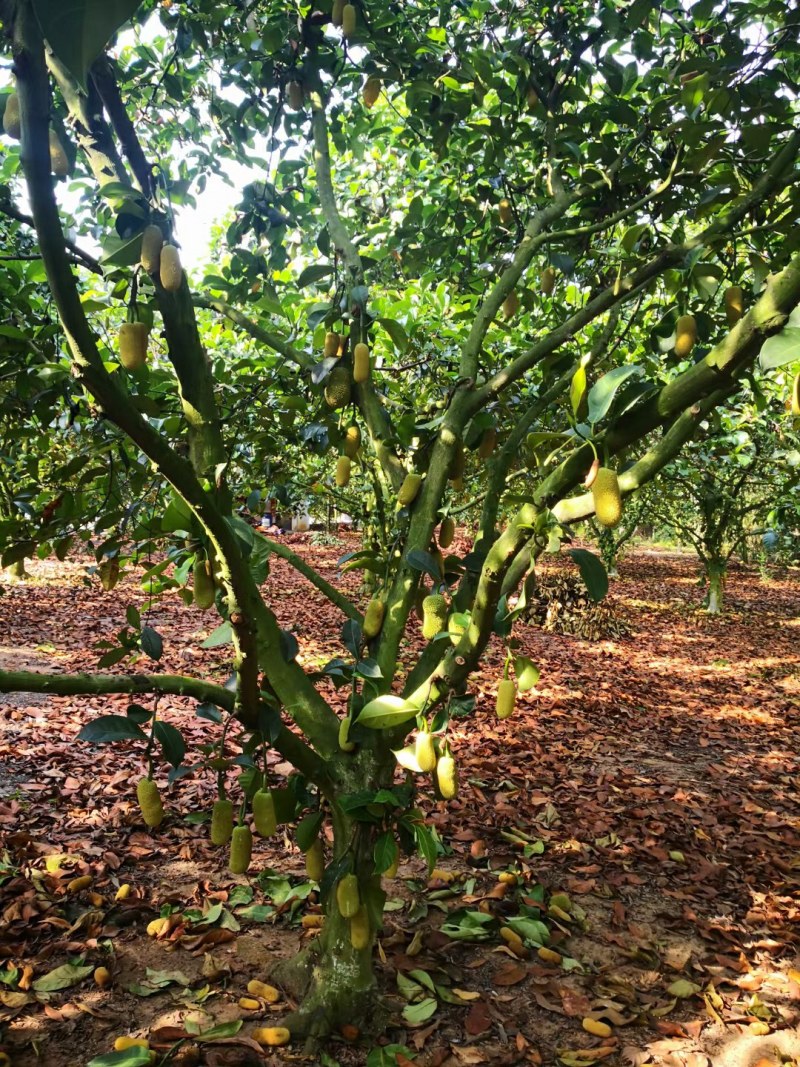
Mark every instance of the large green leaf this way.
pixel 111 728
pixel 602 393
pixel 78 30
pixel 592 571
pixel 781 349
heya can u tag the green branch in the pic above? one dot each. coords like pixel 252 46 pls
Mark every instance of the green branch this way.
pixel 331 592
pixel 254 330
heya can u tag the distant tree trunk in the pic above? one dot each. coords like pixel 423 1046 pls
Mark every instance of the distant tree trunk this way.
pixel 716 569
pixel 17 571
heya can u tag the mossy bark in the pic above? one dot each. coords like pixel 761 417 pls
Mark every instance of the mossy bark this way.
pixel 715 593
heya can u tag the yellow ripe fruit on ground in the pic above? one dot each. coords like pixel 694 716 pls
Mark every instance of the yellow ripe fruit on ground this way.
pixel 447 531
pixel 312 922
pixel 102 977
pixel 506 696
pixel 349 20
pixel 371 90
pixel 263 991
pixel 734 304
pixel 152 243
pixel 122 1044
pixel 361 363
pixel 202 585
pixel 337 388
pixel 221 822
pixel 425 751
pixel 547 282
pixel 315 862
pixel 294 91
pixel 77 885
pixel 170 269
pixel 409 489
pixel 359 930
pixel 342 475
pixel 249 1003
pixel 488 442
pixel 447 777
pixel 685 335
pixel 510 305
pixel 331 346
pixel 150 802
pixel 133 337
pixel 155 927
pixel 434 615
pixel 505 211
pixel 241 849
pixel 594 1026
pixel 607 498
pixel 352 441
pixel 59 163
pixel 336 14
pixel 548 955
pixel 348 897
pixel 123 892
pixel 373 618
pixel 264 818
pixel 11 123
pixel 274 1036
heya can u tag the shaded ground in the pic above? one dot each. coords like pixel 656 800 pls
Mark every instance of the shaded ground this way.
pixel 653 779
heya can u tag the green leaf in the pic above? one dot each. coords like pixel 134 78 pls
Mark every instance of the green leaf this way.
pixel 682 988
pixel 420 560
pixel 397 333
pixel 416 1014
pixel 386 712
pixel 387 1056
pixel 152 643
pixel 577 389
pixel 111 728
pixel 220 1031
pixel 78 30
pixel 129 1057
pixel 781 349
pixel 602 393
pixel 594 574
pixel 426 845
pixel 385 852
pixel 313 273
pixel 527 673
pixel 223 635
pixel 308 830
pixel 69 974
pixel 171 740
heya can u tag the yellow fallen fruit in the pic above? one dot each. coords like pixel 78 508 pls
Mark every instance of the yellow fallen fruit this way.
pixel 594 1026
pixel 77 884
pixel 265 991
pixel 102 977
pixel 759 1029
pixel 155 927
pixel 249 1003
pixel 511 937
pixel 507 878
pixel 123 1043
pixel 312 922
pixel 272 1035
pixel 548 955
pixel 558 913
pixel 123 892
pixel 439 874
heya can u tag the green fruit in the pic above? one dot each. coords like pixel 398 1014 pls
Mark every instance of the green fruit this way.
pixel 296 95
pixel 264 813
pixel 361 365
pixel 352 441
pixel 152 243
pixel 447 531
pixel 795 403
pixel 331 345
pixel 510 305
pixel 425 751
pixel 547 282
pixel 506 696
pixel 349 20
pixel 447 777
pixel 359 930
pixel 342 475
pixel 734 304
pixel 241 849
pixel 338 388
pixel 607 498
pixel 11 123
pixel 315 862
pixel 59 163
pixel 170 269
pixel 457 464
pixel 221 822
pixel 371 91
pixel 488 442
pixel 336 14
pixel 348 897
pixel 202 585
pixel 434 615
pixel 133 337
pixel 505 211
pixel 373 618
pixel 345 744
pixel 456 627
pixel 409 489
pixel 685 335
pixel 562 901
pixel 150 802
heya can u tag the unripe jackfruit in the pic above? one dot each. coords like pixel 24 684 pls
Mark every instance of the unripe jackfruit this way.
pixel 425 751
pixel 264 818
pixel 221 822
pixel 349 20
pixel 241 849
pixel 607 498
pixel 734 304
pixel 510 305
pixel 11 123
pixel 337 388
pixel 202 585
pixel 336 13
pixel 331 346
pixel 409 489
pixel 133 337
pixel 59 163
pixel 795 406
pixel 150 802
pixel 505 211
pixel 348 897
pixel 434 611
pixel 296 96
pixel 342 476
pixel 447 531
pixel 359 930
pixel 506 696
pixel 447 777
pixel 685 335
pixel 488 442
pixel 315 861
pixel 360 363
pixel 373 618
pixel 547 282
pixel 170 269
pixel 371 90
pixel 352 441
pixel 345 744
pixel 152 243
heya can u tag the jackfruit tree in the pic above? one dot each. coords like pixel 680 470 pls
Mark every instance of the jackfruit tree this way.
pixel 530 215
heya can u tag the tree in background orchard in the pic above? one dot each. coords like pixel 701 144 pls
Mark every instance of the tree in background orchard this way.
pixel 471 231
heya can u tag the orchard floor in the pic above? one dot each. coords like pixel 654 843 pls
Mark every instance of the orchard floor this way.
pixel 656 779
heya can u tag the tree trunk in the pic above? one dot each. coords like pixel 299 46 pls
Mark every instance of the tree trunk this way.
pixel 715 576
pixel 17 571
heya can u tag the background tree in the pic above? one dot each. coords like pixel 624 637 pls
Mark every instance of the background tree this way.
pixel 556 222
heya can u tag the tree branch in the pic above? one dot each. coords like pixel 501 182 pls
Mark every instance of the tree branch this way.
pixel 300 565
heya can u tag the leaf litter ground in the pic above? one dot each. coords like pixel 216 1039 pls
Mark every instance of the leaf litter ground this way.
pixel 649 783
